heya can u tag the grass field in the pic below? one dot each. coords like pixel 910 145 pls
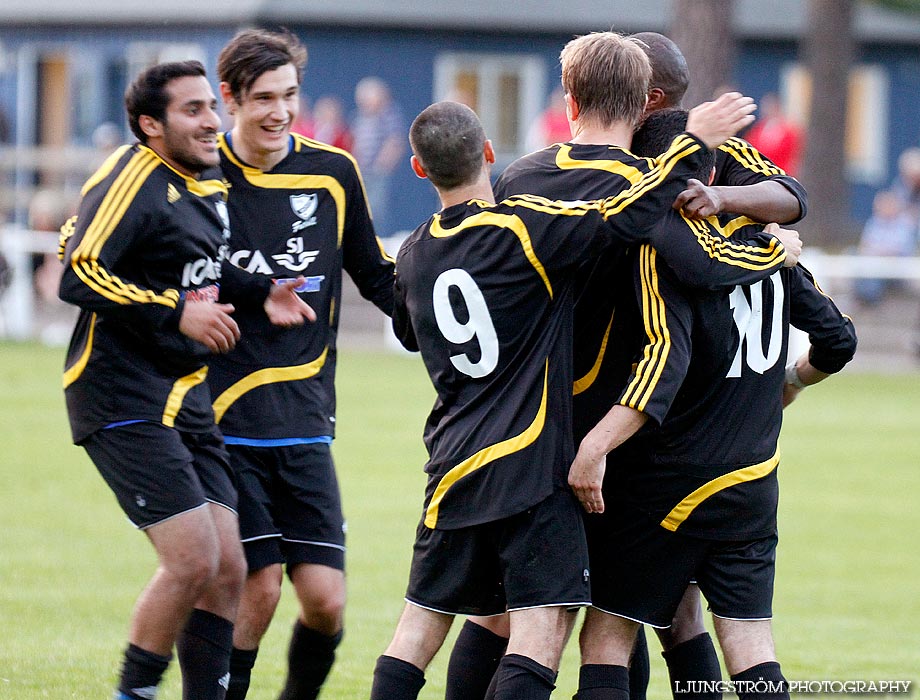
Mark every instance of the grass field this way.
pixel 848 597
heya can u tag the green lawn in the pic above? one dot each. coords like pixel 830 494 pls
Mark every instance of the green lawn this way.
pixel 848 598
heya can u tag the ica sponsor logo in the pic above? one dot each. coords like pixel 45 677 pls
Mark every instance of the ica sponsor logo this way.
pixel 198 271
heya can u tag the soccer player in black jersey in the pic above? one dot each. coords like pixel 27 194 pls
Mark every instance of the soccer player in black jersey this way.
pixel 746 182
pixel 694 492
pixel 594 160
pixel 145 262
pixel 297 207
pixel 485 292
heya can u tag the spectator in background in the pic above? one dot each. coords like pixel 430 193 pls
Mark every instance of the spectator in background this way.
pixel 6 132
pixel 776 136
pixel 891 230
pixel 303 123
pixel 105 139
pixel 907 184
pixel 47 212
pixel 329 124
pixel 552 126
pixel 379 135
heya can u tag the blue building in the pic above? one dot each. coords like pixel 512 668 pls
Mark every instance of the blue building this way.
pixel 64 67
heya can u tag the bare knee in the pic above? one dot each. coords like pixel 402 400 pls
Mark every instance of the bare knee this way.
pixel 321 592
pixel 745 643
pixel 606 639
pixel 541 633
pixel 263 591
pixel 193 570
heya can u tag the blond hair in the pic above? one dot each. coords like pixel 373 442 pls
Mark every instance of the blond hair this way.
pixel 607 74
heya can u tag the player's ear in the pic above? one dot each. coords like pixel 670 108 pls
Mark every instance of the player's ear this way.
pixel 417 168
pixel 571 108
pixel 150 126
pixel 227 96
pixel 488 152
pixel 655 100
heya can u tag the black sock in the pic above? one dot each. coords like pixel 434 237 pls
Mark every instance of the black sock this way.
pixel 521 678
pixel 203 648
pixel 395 679
pixel 140 671
pixel 310 657
pixel 761 682
pixel 694 660
pixel 473 662
pixel 241 663
pixel 639 670
pixel 602 682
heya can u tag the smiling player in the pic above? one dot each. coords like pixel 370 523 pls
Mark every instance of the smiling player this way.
pixel 297 207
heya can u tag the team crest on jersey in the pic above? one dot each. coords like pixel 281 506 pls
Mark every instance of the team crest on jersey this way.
pixel 224 215
pixel 304 205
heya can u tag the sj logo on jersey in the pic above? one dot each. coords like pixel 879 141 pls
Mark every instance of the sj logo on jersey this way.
pixel 304 205
pixel 296 258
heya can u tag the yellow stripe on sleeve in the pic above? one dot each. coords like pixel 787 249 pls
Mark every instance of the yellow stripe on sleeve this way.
pixel 657 350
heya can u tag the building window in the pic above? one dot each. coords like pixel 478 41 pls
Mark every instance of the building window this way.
pixel 866 117
pixel 143 54
pixel 506 91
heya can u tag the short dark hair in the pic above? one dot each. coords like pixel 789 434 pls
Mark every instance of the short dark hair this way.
pixel 655 134
pixel 448 140
pixel 253 52
pixel 148 94
pixel 670 73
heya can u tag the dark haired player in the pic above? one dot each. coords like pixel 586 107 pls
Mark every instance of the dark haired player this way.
pixel 603 116
pixel 297 207
pixel 694 493
pixel 145 262
pixel 484 291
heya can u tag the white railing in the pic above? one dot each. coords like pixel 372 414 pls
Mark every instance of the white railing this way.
pixel 17 304
pixel 832 266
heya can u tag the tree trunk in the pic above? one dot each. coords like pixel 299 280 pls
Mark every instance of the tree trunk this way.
pixel 827 48
pixel 703 30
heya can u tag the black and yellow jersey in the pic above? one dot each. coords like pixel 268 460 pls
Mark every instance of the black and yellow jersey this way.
pixel 485 292
pixel 697 251
pixel 710 365
pixel 738 164
pixel 145 238
pixel 307 216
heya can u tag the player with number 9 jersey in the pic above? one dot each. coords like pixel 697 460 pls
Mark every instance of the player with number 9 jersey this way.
pixel 486 293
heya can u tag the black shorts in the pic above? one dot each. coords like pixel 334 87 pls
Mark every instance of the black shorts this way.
pixel 641 570
pixel 537 558
pixel 157 472
pixel 290 507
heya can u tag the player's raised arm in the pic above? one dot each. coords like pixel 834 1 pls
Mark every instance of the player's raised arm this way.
pixel 711 252
pixel 715 122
